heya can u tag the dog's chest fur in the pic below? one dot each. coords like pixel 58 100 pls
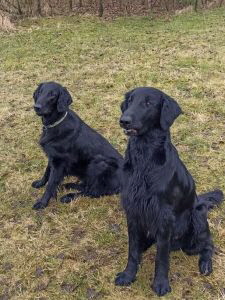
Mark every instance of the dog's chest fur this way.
pixel 49 143
pixel 148 184
pixel 59 146
pixel 145 171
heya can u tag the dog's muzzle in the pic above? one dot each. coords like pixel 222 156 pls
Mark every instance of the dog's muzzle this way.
pixel 125 123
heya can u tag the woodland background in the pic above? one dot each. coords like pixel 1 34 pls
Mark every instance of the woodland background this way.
pixel 29 8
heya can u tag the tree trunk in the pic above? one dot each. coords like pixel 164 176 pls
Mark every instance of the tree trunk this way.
pixel 166 5
pixel 120 4
pixel 100 8
pixel 145 3
pixel 70 4
pixel 19 8
pixel 196 5
pixel 39 7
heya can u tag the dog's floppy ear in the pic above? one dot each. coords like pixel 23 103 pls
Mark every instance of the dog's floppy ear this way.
pixel 36 92
pixel 124 104
pixel 169 112
pixel 64 100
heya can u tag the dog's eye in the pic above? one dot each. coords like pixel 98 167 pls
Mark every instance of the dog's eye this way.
pixel 51 97
pixel 148 102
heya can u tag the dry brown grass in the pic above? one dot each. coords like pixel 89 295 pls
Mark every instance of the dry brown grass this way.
pixel 5 23
pixel 74 251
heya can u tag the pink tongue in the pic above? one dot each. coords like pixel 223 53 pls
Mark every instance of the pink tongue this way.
pixel 132 130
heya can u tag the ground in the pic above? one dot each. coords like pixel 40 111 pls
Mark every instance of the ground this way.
pixel 74 251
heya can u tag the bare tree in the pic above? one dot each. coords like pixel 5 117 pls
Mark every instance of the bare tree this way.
pixel 100 8
pixel 19 7
pixel 39 7
pixel 120 4
pixel 23 8
pixel 166 5
pixel 196 5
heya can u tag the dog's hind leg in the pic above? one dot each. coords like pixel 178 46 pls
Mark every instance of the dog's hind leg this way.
pixel 205 259
pixel 70 197
pixel 202 238
pixel 73 186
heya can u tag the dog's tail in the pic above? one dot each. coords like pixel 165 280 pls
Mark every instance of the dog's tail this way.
pixel 204 203
pixel 211 199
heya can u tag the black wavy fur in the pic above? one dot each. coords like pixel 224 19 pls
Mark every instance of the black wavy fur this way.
pixel 158 192
pixel 73 148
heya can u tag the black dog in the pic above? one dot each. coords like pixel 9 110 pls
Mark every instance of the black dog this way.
pixel 158 192
pixel 73 148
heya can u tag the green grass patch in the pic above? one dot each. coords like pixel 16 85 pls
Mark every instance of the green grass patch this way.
pixel 74 251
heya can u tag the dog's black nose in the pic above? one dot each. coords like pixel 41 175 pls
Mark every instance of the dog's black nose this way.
pixel 37 107
pixel 125 120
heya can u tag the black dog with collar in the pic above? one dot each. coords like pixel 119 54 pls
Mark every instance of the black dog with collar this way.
pixel 158 192
pixel 72 148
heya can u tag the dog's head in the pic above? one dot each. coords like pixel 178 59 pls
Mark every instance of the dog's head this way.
pixel 145 108
pixel 49 97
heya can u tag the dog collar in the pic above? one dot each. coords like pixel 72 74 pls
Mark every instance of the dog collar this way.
pixel 56 123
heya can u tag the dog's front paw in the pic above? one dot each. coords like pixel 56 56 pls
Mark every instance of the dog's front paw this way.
pixel 37 184
pixel 161 287
pixel 39 205
pixel 124 279
pixel 205 266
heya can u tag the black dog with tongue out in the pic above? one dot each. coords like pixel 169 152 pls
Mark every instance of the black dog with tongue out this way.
pixel 158 193
pixel 72 149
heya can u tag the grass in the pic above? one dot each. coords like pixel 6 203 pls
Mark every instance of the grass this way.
pixel 74 251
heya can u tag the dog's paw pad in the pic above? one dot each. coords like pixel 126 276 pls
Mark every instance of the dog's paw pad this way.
pixel 123 279
pixel 205 267
pixel 161 287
